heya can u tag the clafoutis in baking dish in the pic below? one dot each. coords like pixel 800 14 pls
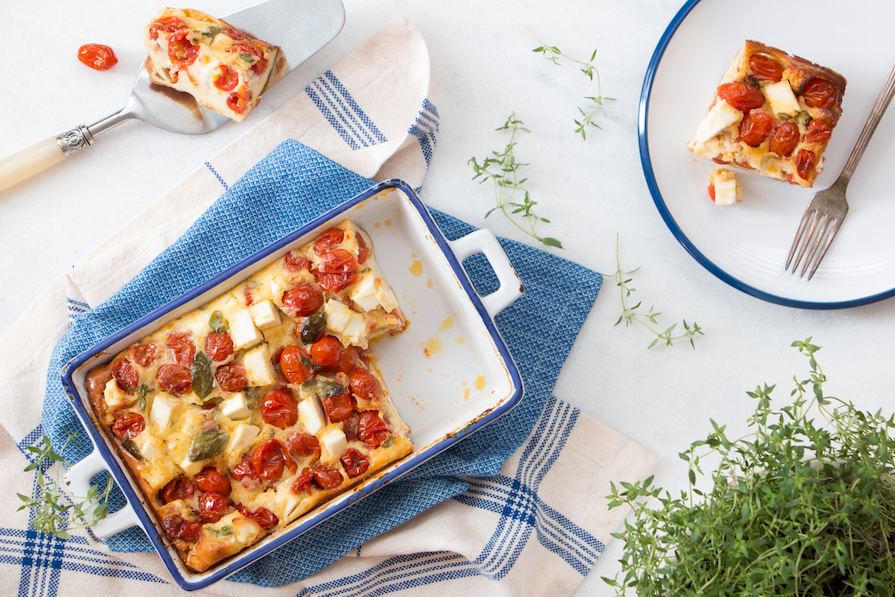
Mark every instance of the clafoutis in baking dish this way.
pixel 243 414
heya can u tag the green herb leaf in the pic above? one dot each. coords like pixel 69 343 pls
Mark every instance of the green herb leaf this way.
pixel 217 322
pixel 207 443
pixel 313 326
pixel 201 376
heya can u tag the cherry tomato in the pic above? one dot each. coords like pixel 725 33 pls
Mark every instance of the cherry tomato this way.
pixel 279 409
pixel 226 79
pixel 260 65
pixel 144 354
pixel 765 68
pixel 293 262
pixel 238 102
pixel 292 366
pixel 364 385
pixel 372 430
pixel 126 375
pixel 327 477
pixel 785 139
pixel 819 93
pixel 326 351
pixel 235 34
pixel 182 348
pixel 175 379
pixel 211 479
pixel 338 408
pixel 337 271
pixel 231 377
pixel 362 251
pixel 818 131
pixel 244 472
pixel 269 460
pixel 303 300
pixel 755 127
pixel 712 191
pixel 302 445
pixel 303 482
pixel 741 95
pixel 805 162
pixel 181 50
pixel 264 517
pixel 212 506
pixel 97 56
pixel 218 346
pixel 179 528
pixel 349 360
pixel 247 293
pixel 166 24
pixel 128 425
pixel 354 462
pixel 180 488
pixel 329 240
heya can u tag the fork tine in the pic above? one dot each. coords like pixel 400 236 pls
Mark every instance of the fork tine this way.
pixel 821 231
pixel 795 241
pixel 834 228
pixel 815 216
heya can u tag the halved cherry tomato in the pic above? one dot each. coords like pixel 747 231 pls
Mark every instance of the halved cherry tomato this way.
pixel 293 262
pixel 818 131
pixel 326 351
pixel 372 430
pixel 765 68
pixel 212 506
pixel 175 379
pixel 302 300
pixel 362 251
pixel 264 517
pixel 218 346
pixel 182 348
pixel 244 472
pixel 785 139
pixel 226 79
pixel 269 460
pixel 819 93
pixel 292 366
pixel 339 407
pixel 712 191
pixel 166 24
pixel 303 482
pixel 279 409
pixel 238 102
pixel 179 528
pixel 144 354
pixel 234 34
pixel 126 375
pixel 805 162
pixel 181 50
pixel 211 479
pixel 327 477
pixel 337 271
pixel 755 127
pixel 302 445
pixel 349 360
pixel 364 385
pixel 231 377
pixel 180 488
pixel 354 462
pixel 129 425
pixel 260 65
pixel 329 240
pixel 741 95
pixel 97 56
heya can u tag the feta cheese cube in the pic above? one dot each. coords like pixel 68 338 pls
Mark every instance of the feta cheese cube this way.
pixel 357 325
pixel 291 507
pixel 277 287
pixel 364 293
pixel 259 371
pixel 783 101
pixel 334 442
pixel 151 448
pixel 721 116
pixel 241 439
pixel 116 398
pixel 243 330
pixel 162 410
pixel 191 468
pixel 265 314
pixel 385 296
pixel 310 415
pixel 337 316
pixel 236 407
pixel 727 190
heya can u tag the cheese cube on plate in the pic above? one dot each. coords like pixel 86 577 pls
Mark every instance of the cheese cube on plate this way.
pixel 727 190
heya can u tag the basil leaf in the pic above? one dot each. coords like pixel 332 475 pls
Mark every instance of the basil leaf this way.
pixel 217 322
pixel 328 389
pixel 313 326
pixel 132 448
pixel 388 441
pixel 202 377
pixel 207 443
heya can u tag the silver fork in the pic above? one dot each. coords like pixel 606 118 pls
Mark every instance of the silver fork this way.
pixel 823 216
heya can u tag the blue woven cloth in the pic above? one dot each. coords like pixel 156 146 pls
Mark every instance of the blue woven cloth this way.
pixel 289 187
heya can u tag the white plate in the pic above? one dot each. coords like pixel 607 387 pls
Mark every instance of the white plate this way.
pixel 746 245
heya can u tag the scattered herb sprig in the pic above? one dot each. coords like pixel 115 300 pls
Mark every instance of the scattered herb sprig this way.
pixel 503 170
pixel 631 315
pixel 53 512
pixel 801 506
pixel 554 54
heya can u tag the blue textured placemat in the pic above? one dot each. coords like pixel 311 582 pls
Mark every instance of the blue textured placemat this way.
pixel 289 187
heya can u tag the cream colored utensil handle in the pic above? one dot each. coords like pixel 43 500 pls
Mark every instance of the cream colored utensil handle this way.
pixel 40 156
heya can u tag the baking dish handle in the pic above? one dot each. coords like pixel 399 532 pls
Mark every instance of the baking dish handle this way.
pixel 484 241
pixel 78 480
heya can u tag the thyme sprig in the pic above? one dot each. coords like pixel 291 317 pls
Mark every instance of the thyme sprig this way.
pixel 803 505
pixel 553 54
pixel 631 315
pixel 503 169
pixel 52 510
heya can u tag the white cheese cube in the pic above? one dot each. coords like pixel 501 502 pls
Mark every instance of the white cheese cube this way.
pixel 385 296
pixel 291 506
pixel 721 116
pixel 277 287
pixel 191 468
pixel 241 439
pixel 727 190
pixel 236 407
pixel 265 314
pixel 245 529
pixel 152 447
pixel 162 410
pixel 357 325
pixel 334 442
pixel 259 371
pixel 310 415
pixel 782 99
pixel 243 330
pixel 337 316
pixel 115 398
pixel 364 293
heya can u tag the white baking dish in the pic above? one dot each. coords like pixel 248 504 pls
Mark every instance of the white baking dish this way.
pixel 449 373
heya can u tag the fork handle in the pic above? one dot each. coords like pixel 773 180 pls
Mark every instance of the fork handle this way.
pixel 879 108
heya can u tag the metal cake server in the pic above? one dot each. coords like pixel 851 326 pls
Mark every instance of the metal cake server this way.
pixel 300 28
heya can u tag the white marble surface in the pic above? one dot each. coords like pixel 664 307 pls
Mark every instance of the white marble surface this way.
pixel 482 69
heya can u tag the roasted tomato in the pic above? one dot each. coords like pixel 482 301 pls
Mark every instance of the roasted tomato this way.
pixel 128 425
pixel 219 346
pixel 279 409
pixel 180 488
pixel 755 127
pixel 339 407
pixel 371 429
pixel 247 51
pixel 302 445
pixel 329 240
pixel 326 352
pixel 302 484
pixel 144 354
pixel 238 101
pixel 302 300
pixel 337 271
pixel 818 131
pixel 349 360
pixel 175 379
pixel 294 262
pixel 226 79
pixel 785 139
pixel 211 479
pixel 264 517
pixel 181 50
pixel 741 95
pixel 327 477
pixel 765 68
pixel 819 93
pixel 126 375
pixel 269 460
pixel 292 366
pixel 364 384
pixel 231 377
pixel 166 24
pixel 179 528
pixel 362 251
pixel 354 462
pixel 212 506
pixel 97 56
pixel 182 348
pixel 805 162
pixel 244 472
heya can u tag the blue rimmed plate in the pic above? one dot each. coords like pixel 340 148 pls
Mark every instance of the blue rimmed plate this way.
pixel 746 245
